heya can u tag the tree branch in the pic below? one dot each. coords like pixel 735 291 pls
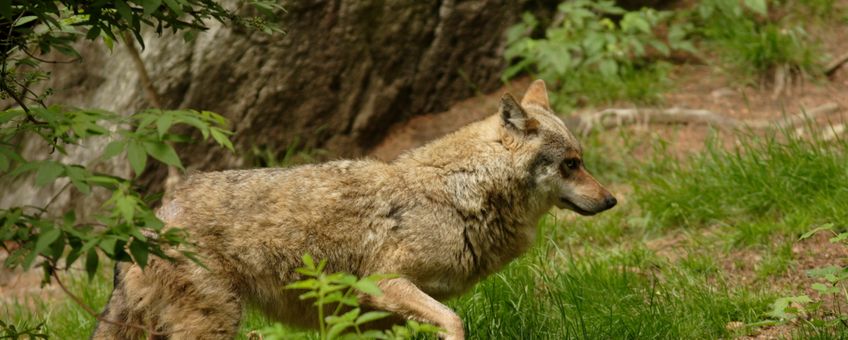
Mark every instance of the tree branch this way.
pixel 149 89
pixel 151 333
pixel 835 64
pixel 5 87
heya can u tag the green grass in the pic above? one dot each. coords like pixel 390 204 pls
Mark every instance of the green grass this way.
pixel 766 181
pixel 550 294
pixel 752 45
pixel 62 317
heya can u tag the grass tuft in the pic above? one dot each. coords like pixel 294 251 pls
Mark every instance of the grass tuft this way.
pixel 779 178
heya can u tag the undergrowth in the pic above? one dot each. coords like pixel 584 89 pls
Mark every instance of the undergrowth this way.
pixel 595 52
pixel 590 58
pixel 752 44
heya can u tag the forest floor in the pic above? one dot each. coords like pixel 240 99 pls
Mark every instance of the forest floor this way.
pixel 742 270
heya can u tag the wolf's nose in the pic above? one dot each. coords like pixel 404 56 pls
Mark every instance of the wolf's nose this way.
pixel 610 201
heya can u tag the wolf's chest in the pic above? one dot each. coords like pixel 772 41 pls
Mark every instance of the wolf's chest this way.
pixel 477 257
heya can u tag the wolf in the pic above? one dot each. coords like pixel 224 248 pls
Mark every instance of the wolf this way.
pixel 440 218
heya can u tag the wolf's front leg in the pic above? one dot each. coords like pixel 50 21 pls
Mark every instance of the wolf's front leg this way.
pixel 402 297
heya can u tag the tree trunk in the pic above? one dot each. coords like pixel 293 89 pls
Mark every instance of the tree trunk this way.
pixel 344 72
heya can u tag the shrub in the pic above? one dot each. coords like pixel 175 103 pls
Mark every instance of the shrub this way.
pixel 751 44
pixel 584 52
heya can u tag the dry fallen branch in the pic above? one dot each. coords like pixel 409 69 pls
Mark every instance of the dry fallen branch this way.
pixel 835 64
pixel 833 132
pixel 612 118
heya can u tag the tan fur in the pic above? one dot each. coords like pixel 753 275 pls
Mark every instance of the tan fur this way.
pixel 442 217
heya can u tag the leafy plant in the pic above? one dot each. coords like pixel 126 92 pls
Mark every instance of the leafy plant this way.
pixel 833 282
pixel 339 292
pixel 295 154
pixel 124 227
pixel 586 53
pixel 752 44
pixel 11 332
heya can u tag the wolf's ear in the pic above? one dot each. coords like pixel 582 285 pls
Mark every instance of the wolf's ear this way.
pixel 514 117
pixel 537 94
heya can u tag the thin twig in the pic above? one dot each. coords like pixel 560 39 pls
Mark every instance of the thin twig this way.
pixel 27 52
pixel 17 99
pixel 149 89
pixel 780 75
pixel 835 64
pixel 97 316
pixel 53 199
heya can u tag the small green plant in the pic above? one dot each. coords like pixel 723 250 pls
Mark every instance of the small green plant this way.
pixel 586 53
pixel 337 305
pixel 832 285
pixel 11 332
pixel 752 45
pixel 295 154
pixel 40 141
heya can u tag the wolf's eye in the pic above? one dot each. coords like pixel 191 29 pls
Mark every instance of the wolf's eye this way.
pixel 572 163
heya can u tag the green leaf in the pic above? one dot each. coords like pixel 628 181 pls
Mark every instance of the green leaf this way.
pixel 124 10
pixel 48 171
pixel 91 262
pixel 824 289
pixel 108 245
pixel 304 284
pixel 113 149
pixel 221 137
pixel 781 308
pixel 660 47
pixel 29 259
pixel 136 232
pixel 78 176
pixel 308 261
pixel 150 6
pixel 368 287
pixel 839 237
pixel 46 238
pixel 126 206
pixel 350 315
pixel 371 316
pixel 137 157
pixel 758 6
pixel 164 153
pixel 807 235
pixel 337 329
pixel 24 167
pixel 163 124
pixel 72 257
pixel 24 20
pixel 608 68
pixel 308 295
pixel 174 6
pixel 139 253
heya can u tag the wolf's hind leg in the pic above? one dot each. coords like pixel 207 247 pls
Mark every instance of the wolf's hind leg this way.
pixel 205 309
pixel 117 310
pixel 402 297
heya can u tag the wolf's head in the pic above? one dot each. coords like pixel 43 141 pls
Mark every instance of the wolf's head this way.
pixel 552 155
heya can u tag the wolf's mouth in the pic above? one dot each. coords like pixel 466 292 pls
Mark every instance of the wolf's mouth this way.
pixel 571 206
